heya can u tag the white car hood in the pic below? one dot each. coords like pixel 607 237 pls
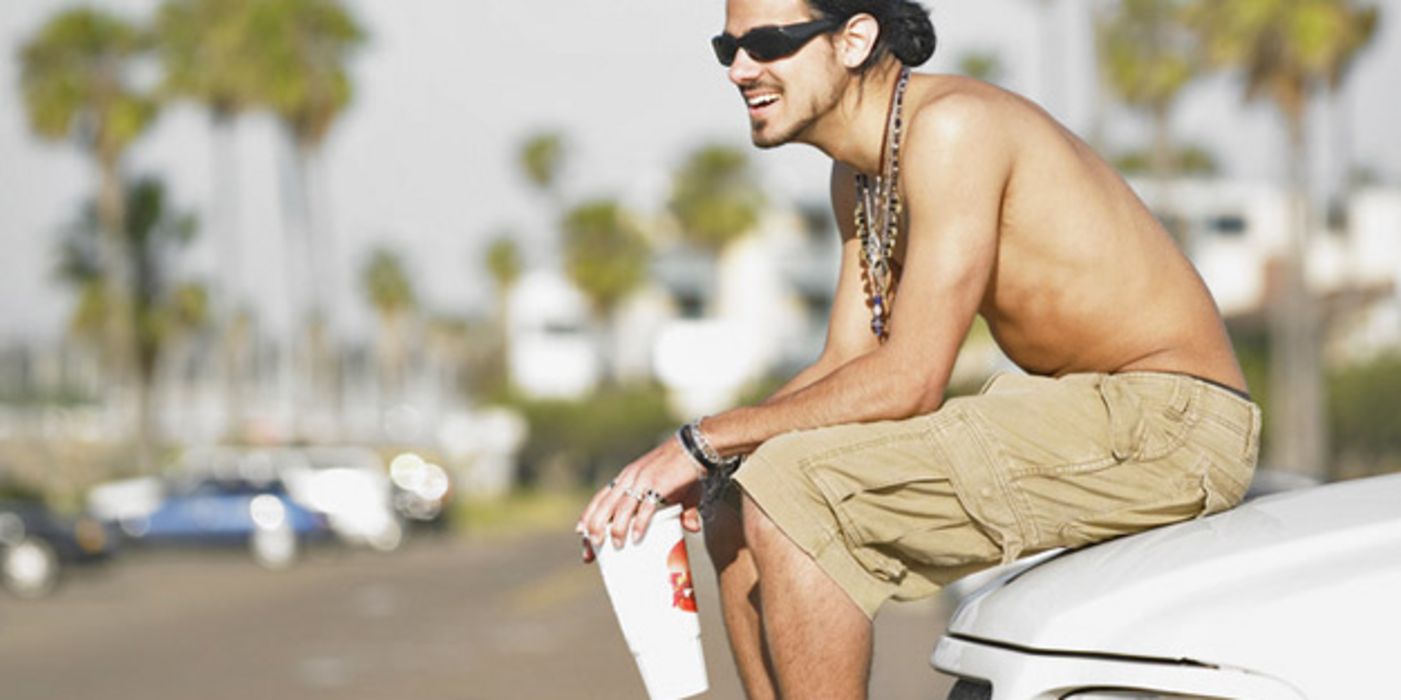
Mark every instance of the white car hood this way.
pixel 1295 585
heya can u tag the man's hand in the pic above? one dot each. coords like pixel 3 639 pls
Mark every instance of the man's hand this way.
pixel 666 470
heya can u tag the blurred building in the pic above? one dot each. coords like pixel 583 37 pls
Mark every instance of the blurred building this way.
pixel 1237 232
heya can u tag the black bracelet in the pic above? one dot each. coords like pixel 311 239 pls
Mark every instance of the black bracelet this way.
pixel 693 445
pixel 688 445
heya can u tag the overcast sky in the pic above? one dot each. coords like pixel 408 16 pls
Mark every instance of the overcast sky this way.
pixel 445 90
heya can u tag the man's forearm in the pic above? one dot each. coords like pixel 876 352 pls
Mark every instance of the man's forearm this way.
pixel 812 373
pixel 869 388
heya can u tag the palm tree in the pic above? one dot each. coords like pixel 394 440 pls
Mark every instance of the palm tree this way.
pixel 605 255
pixel 75 77
pixel 541 159
pixel 207 52
pixel 1290 51
pixel 299 61
pixel 503 263
pixel 389 289
pixel 1147 56
pixel 165 307
pixel 715 198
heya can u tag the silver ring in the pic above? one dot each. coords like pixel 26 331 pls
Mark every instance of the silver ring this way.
pixel 636 495
pixel 612 483
pixel 656 498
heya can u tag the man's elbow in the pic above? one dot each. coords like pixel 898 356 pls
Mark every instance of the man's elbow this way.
pixel 917 395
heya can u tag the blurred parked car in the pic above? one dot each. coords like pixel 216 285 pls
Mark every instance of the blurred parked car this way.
pixel 37 546
pixel 211 511
pixel 347 486
pixel 422 490
pixel 1290 596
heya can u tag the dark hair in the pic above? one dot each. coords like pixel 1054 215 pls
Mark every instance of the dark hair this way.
pixel 905 28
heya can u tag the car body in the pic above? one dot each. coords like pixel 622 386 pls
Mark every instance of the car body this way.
pixel 347 486
pixel 38 546
pixel 210 511
pixel 1290 596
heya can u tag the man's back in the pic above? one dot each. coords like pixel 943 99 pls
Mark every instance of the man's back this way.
pixel 1085 278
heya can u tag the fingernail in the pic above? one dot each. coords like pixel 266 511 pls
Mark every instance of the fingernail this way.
pixel 636 536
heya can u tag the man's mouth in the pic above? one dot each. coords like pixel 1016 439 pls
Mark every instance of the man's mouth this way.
pixel 760 102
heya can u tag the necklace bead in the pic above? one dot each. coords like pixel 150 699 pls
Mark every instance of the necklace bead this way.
pixel 877 215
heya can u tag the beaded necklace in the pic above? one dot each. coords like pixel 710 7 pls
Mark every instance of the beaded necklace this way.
pixel 878 218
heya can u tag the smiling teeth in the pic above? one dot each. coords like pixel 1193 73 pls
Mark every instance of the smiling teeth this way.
pixel 762 100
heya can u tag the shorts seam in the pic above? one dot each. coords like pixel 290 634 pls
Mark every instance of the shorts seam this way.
pixel 1016 501
pixel 868 444
pixel 1191 416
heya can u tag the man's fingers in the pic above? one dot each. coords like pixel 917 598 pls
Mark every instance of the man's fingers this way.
pixel 643 517
pixel 691 519
pixel 590 510
pixel 624 509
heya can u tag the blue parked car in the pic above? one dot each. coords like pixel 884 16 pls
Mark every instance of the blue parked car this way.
pixel 212 511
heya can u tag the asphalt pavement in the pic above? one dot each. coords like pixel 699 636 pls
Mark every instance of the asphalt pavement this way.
pixel 449 618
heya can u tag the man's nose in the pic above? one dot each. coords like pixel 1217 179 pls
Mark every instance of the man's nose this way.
pixel 744 69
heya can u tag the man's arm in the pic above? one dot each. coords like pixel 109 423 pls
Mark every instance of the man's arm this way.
pixel 848 323
pixel 955 170
pixel 957 163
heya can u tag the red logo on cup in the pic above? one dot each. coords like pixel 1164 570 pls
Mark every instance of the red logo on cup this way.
pixel 683 597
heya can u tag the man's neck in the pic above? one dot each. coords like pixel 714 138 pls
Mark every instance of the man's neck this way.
pixel 854 131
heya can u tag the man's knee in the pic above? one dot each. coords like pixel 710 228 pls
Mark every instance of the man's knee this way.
pixel 758 528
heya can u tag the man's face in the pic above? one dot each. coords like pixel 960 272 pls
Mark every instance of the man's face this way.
pixel 786 96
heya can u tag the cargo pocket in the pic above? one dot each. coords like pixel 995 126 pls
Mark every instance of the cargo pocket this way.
pixel 1144 425
pixel 978 474
pixel 896 508
pixel 862 509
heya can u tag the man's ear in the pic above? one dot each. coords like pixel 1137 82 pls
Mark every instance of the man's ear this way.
pixel 857 39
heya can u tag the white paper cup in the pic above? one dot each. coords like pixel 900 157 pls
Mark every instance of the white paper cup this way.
pixel 649 583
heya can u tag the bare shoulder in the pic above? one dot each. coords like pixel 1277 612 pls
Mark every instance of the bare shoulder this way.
pixel 954 107
pixel 959 133
pixel 964 122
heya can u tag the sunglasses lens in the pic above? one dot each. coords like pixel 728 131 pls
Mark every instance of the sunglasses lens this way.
pixel 725 48
pixel 768 44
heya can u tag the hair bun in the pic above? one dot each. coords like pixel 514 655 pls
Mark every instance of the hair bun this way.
pixel 910 32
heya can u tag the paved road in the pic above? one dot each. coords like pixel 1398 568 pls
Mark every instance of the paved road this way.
pixel 442 618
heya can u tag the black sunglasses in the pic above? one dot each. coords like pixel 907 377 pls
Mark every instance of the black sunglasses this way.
pixel 770 43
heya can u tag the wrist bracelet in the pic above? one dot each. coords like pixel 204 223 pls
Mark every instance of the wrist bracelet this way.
pixel 701 452
pixel 702 442
pixel 688 446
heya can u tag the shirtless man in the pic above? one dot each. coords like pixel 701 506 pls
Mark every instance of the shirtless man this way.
pixel 860 482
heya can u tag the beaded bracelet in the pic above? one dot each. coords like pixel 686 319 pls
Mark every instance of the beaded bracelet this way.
pixel 688 446
pixel 711 455
pixel 700 450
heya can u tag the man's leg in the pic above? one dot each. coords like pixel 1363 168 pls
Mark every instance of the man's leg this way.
pixel 819 638
pixel 739 598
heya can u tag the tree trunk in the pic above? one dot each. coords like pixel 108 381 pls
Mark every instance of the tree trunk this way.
pixel 1164 165
pixel 119 327
pixel 297 255
pixel 230 322
pixel 1297 432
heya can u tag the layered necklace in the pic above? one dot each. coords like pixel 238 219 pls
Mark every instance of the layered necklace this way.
pixel 878 218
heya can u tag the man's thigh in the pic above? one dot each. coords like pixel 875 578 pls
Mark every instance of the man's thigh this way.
pixel 899 508
pixel 873 504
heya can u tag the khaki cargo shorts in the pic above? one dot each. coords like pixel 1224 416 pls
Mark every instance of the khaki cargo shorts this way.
pixel 900 508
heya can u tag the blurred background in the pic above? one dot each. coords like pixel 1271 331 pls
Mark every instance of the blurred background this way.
pixel 320 318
